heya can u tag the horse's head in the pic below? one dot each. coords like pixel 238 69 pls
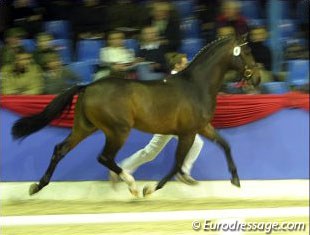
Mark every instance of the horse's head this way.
pixel 243 61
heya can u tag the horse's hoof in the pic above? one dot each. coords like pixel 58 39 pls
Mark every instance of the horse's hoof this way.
pixel 148 190
pixel 34 188
pixel 235 181
pixel 134 192
pixel 114 179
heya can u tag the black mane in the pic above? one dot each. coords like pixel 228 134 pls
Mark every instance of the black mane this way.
pixel 207 50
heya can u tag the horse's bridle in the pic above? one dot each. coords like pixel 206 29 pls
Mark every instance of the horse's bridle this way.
pixel 248 73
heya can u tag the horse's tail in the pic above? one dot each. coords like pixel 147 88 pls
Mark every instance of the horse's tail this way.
pixel 28 125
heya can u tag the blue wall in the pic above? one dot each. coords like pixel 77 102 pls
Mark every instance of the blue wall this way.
pixel 276 147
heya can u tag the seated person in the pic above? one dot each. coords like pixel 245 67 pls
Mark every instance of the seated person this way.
pixel 56 76
pixel 44 47
pixel 12 38
pixel 230 16
pixel 115 59
pixel 166 20
pixel 22 77
pixel 261 52
pixel 151 50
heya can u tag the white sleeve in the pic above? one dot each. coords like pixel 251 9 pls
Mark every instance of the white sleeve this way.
pixel 104 55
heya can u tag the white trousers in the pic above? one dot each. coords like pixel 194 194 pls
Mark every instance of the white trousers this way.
pixel 154 147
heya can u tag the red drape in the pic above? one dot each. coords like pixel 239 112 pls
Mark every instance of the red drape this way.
pixel 231 111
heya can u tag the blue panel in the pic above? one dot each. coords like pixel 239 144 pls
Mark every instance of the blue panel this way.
pixel 191 47
pixel 83 69
pixel 190 28
pixel 276 147
pixel 60 29
pixel 89 50
pixel 275 87
pixel 298 72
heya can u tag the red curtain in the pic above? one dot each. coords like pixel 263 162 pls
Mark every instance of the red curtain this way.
pixel 231 111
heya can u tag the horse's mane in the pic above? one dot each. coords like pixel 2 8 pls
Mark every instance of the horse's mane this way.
pixel 209 49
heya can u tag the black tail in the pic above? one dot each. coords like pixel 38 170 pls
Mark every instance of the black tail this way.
pixel 28 125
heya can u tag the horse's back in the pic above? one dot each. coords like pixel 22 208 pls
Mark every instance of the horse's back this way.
pixel 155 106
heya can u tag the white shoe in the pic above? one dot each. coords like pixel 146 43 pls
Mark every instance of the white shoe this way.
pixel 186 179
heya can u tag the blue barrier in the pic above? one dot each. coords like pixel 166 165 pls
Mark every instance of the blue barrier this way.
pixel 276 147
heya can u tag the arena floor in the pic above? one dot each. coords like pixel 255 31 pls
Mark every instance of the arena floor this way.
pixel 160 215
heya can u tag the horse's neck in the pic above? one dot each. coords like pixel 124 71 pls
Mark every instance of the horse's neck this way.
pixel 210 75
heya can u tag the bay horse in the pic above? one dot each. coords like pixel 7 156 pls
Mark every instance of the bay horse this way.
pixel 182 104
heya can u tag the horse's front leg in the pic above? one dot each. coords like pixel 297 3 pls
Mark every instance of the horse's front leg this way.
pixel 184 144
pixel 113 144
pixel 210 133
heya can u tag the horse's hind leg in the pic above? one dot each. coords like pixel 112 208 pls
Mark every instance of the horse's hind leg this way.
pixel 114 141
pixel 59 153
pixel 210 133
pixel 184 144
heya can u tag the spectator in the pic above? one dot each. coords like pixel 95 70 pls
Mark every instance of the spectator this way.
pixel 26 16
pixel 230 16
pixel 151 49
pixel 23 77
pixel 12 44
pixel 261 52
pixel 115 57
pixel 56 76
pixel 44 47
pixel 207 12
pixel 153 53
pixel 167 23
pixel 89 20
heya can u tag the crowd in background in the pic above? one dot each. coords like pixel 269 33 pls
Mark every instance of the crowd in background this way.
pixel 155 25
